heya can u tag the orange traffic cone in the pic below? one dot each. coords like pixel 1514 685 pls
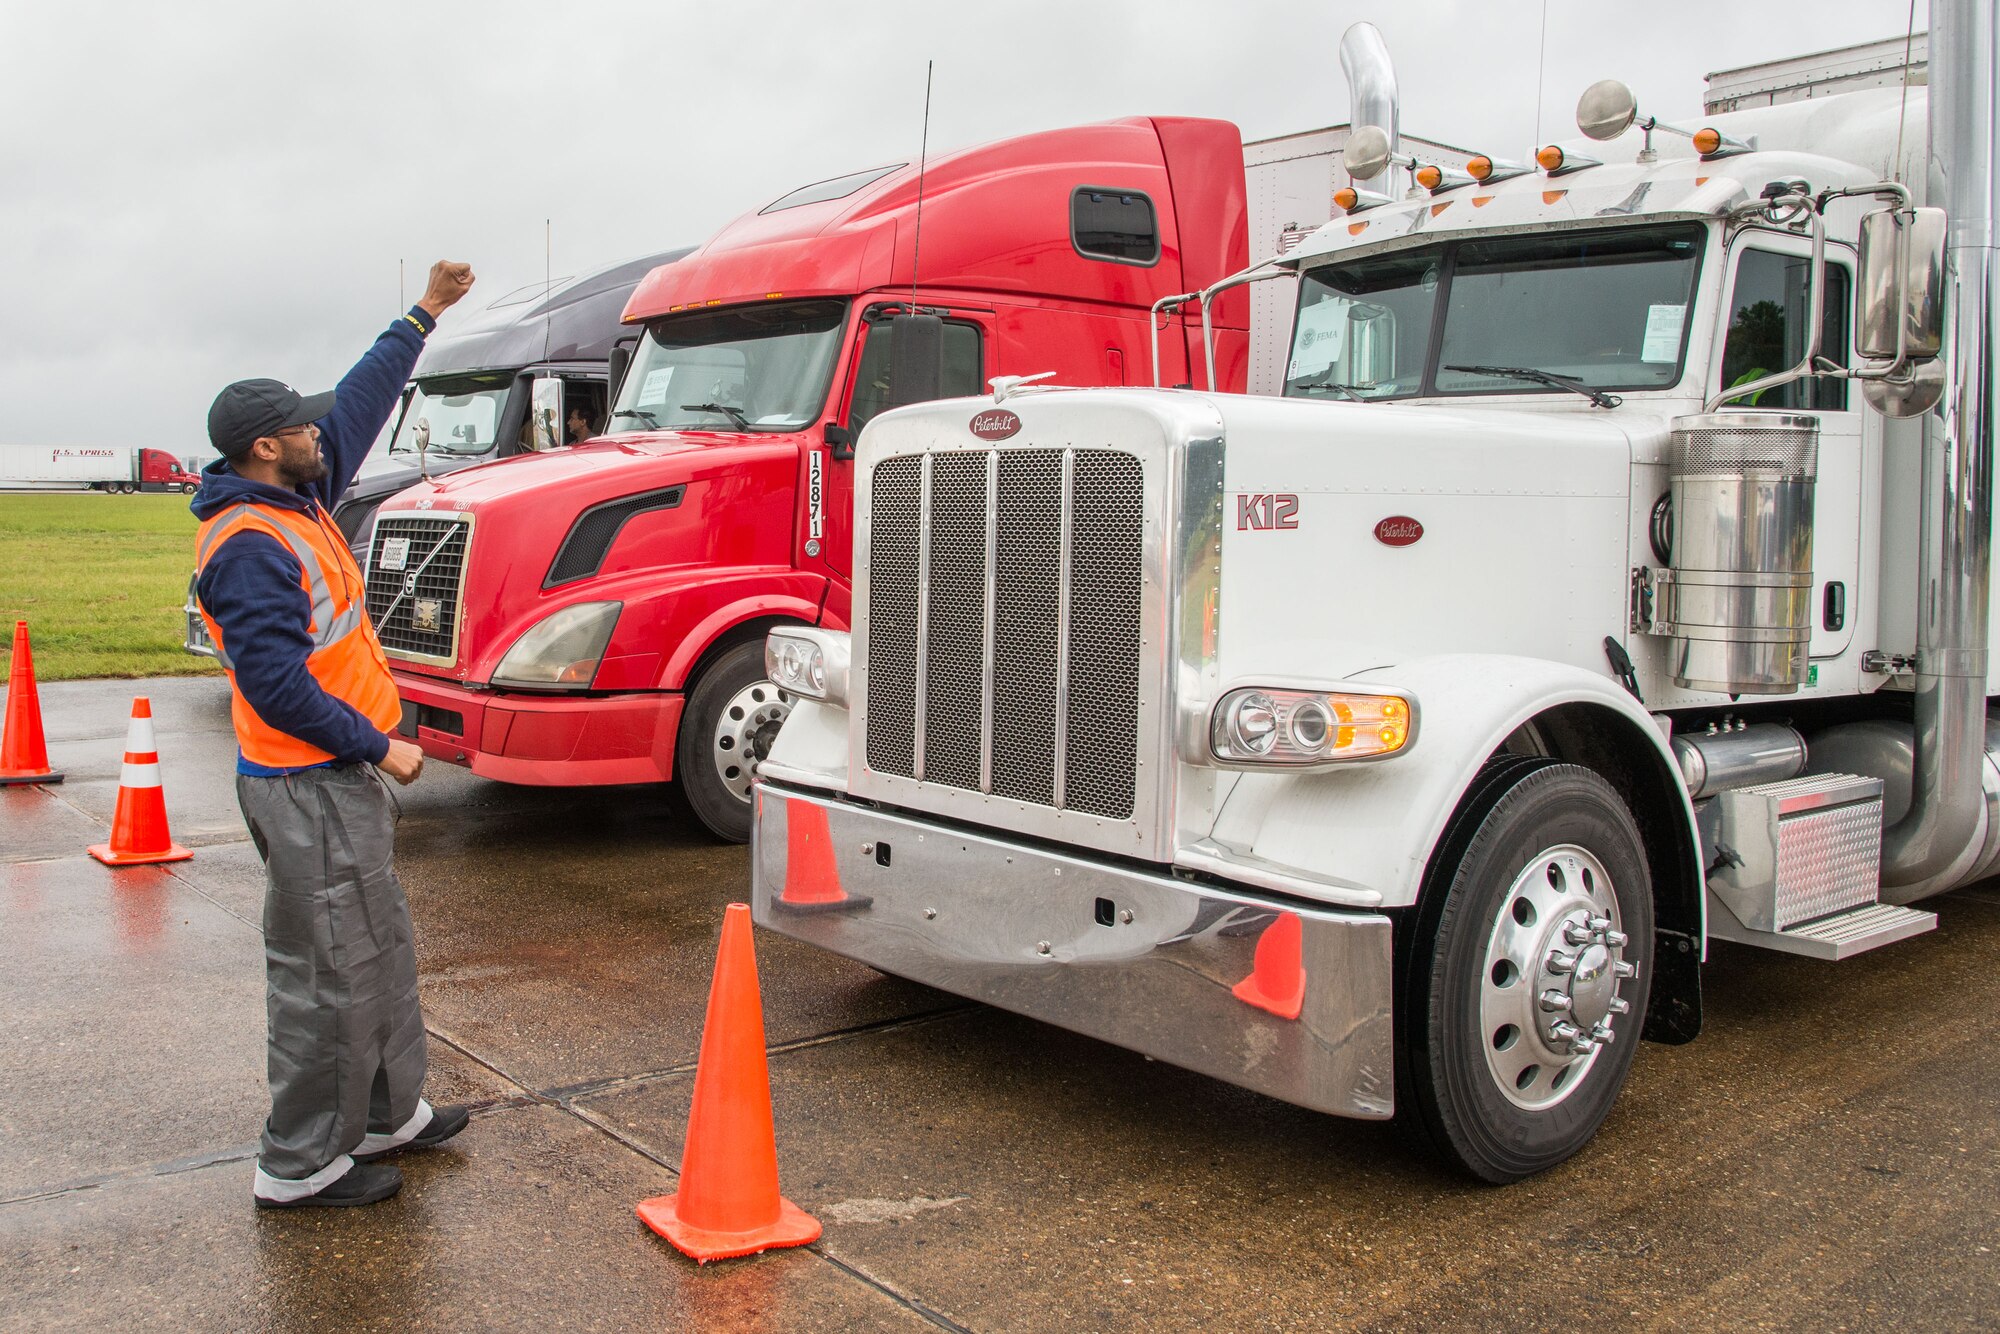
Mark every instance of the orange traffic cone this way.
pixel 728 1202
pixel 1277 980
pixel 24 753
pixel 139 824
pixel 812 877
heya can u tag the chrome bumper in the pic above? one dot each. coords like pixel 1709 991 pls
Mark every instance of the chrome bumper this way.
pixel 1289 1000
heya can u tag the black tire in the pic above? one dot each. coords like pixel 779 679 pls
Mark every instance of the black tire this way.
pixel 727 699
pixel 1521 813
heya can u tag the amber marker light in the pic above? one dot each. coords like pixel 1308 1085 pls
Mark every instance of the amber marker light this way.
pixel 1706 141
pixel 1550 158
pixel 1346 198
pixel 1479 168
pixel 1430 177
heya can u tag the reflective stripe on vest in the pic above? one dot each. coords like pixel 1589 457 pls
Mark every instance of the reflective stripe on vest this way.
pixel 329 626
pixel 346 659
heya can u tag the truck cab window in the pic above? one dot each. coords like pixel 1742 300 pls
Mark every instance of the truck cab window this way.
pixel 874 377
pixel 746 368
pixel 452 418
pixel 1363 328
pixel 1606 309
pixel 1117 225
pixel 1767 324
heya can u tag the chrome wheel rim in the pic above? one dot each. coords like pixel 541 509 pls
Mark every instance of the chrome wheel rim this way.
pixel 743 734
pixel 1555 961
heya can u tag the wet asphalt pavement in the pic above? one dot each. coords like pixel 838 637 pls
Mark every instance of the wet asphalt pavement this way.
pixel 1827 1156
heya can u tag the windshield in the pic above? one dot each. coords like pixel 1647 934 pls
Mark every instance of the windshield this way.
pixel 455 422
pixel 751 368
pixel 1605 309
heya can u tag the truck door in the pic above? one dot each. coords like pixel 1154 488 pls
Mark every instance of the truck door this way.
pixel 966 336
pixel 1764 330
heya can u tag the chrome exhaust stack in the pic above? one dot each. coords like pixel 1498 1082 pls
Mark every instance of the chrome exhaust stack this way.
pixel 1371 89
pixel 1927 851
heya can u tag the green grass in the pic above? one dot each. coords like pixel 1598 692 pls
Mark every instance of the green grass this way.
pixel 100 581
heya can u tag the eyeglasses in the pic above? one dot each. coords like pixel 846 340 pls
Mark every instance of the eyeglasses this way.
pixel 294 430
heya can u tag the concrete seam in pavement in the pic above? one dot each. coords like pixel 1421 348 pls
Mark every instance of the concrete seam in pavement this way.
pixel 237 1154
pixel 937 1318
pixel 619 1083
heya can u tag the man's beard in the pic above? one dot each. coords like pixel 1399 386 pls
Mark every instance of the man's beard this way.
pixel 301 467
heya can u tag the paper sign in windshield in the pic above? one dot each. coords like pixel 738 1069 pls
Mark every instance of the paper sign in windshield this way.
pixel 1322 333
pixel 395 553
pixel 654 388
pixel 1663 333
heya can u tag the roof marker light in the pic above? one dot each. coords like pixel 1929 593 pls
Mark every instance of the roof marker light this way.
pixel 1352 200
pixel 1713 143
pixel 1555 162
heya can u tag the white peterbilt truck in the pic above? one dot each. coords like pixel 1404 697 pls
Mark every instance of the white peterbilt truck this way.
pixel 1611 576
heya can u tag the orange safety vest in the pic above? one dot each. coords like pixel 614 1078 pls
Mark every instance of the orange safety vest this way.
pixel 346 658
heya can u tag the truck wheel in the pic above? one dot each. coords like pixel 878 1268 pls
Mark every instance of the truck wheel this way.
pixel 1528 968
pixel 187 488
pixel 733 715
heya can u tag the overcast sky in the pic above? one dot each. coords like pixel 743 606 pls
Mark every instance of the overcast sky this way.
pixel 196 192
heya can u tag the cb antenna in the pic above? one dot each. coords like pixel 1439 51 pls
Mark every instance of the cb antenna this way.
pixel 923 156
pixel 548 284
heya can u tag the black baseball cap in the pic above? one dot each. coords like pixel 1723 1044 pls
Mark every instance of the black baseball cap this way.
pixel 248 410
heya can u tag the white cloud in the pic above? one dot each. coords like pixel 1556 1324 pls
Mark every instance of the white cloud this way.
pixel 204 191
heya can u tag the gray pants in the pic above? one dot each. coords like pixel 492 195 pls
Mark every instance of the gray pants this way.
pixel 346 1058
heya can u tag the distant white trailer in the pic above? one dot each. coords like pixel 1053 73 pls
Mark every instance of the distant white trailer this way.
pixel 1290 181
pixel 118 468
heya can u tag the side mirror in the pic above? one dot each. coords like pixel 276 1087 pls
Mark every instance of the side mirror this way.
pixel 916 359
pixel 1901 284
pixel 545 408
pixel 1366 153
pixel 620 361
pixel 1606 110
pixel 839 439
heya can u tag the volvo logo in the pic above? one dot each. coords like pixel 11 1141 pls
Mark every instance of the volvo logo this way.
pixel 996 424
pixel 410 582
pixel 1398 530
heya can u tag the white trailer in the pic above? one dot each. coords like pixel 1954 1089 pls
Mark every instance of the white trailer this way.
pixel 117 468
pixel 1613 575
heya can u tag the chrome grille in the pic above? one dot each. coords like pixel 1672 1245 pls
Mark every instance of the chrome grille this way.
pixel 1003 651
pixel 416 609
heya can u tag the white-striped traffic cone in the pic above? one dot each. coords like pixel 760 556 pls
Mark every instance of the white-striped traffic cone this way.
pixel 139 826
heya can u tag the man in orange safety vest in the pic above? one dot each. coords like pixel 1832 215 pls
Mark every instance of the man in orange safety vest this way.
pixel 316 717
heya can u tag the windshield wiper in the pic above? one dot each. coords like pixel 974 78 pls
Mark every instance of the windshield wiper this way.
pixel 742 422
pixel 651 420
pixel 1549 378
pixel 1344 390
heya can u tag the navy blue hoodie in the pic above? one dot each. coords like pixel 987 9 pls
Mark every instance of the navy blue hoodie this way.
pixel 252 586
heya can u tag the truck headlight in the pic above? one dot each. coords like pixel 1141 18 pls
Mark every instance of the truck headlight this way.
pixel 1264 726
pixel 808 662
pixel 562 649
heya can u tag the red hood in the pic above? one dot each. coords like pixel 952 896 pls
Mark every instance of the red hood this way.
pixel 614 466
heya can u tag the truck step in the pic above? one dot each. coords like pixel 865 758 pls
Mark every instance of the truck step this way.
pixel 1838 936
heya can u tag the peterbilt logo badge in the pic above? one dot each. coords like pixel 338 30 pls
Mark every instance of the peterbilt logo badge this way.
pixel 1398 530
pixel 995 425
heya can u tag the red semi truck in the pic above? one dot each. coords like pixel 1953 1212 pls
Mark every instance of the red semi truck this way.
pixel 597 615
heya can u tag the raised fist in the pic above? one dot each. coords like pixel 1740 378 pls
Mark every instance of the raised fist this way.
pixel 449 281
